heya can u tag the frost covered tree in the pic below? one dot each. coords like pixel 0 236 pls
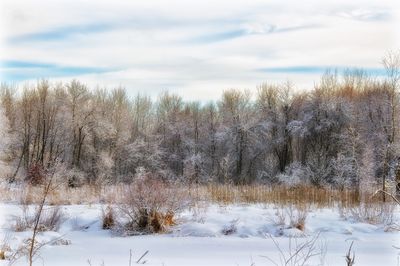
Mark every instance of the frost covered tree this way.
pixel 343 132
pixel 237 116
pixel 273 138
pixel 391 63
pixel 170 126
pixel 5 167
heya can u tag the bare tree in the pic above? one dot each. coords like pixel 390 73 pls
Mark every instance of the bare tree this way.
pixel 392 65
pixel 103 136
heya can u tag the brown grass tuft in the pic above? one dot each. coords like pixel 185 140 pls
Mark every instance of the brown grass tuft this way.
pixel 108 218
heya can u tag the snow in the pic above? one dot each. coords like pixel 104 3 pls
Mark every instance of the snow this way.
pixel 199 238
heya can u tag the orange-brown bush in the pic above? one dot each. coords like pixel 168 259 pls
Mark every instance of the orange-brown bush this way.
pixel 4 246
pixel 108 218
pixel 151 204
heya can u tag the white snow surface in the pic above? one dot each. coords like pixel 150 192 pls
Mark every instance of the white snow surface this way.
pixel 198 238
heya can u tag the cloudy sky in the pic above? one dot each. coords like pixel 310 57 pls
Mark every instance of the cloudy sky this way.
pixel 194 48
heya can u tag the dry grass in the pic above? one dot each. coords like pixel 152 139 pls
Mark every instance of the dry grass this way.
pixel 62 195
pixel 214 193
pixel 319 197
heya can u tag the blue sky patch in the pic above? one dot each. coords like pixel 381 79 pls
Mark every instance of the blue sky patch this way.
pixel 14 70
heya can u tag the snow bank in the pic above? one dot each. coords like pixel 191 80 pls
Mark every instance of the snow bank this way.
pixel 229 235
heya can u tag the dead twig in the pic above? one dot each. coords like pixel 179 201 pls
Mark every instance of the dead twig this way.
pixel 387 193
pixel 139 260
pixel 349 259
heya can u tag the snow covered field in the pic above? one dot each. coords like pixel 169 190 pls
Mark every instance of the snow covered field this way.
pixel 198 239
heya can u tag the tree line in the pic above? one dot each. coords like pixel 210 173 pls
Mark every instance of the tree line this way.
pixel 343 132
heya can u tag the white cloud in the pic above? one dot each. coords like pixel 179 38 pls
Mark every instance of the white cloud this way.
pixel 197 48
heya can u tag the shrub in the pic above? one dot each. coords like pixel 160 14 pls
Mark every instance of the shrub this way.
pixel 299 253
pixel 151 204
pixel 36 174
pixel 75 178
pixel 280 217
pixel 4 247
pixel 50 220
pixel 296 216
pixel 231 228
pixel 295 175
pixel 108 218
pixel 372 213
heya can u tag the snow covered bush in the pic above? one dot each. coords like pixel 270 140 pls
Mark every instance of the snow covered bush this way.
pixel 140 154
pixel 193 169
pixel 104 168
pixel 296 174
pixel 297 217
pixel 344 173
pixel 75 177
pixel 231 228
pixel 50 220
pixel 291 216
pixel 372 213
pixel 150 204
